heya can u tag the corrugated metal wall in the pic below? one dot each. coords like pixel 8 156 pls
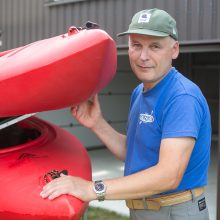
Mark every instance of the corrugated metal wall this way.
pixel 24 21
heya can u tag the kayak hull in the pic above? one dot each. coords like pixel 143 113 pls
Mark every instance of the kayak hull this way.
pixel 57 72
pixel 25 166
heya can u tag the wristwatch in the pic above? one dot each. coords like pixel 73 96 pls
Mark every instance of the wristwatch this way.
pixel 99 188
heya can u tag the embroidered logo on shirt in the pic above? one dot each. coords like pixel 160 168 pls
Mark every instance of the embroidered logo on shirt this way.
pixel 146 118
pixel 144 17
pixel 202 204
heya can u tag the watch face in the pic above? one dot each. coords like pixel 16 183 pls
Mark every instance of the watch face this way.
pixel 99 187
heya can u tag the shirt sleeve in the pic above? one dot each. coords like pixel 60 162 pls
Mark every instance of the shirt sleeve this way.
pixel 182 117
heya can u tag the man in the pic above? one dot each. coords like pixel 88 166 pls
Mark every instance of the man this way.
pixel 167 146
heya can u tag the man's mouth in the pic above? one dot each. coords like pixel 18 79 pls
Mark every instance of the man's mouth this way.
pixel 145 67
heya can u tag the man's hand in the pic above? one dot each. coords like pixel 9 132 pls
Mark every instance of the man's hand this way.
pixel 88 113
pixel 90 116
pixel 75 186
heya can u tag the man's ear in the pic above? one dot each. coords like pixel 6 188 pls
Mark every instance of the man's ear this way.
pixel 176 50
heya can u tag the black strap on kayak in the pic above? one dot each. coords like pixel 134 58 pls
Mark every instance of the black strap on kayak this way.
pixel 90 25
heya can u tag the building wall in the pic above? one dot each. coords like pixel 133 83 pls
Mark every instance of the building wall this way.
pixel 25 21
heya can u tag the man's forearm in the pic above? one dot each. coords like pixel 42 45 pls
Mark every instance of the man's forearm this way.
pixel 145 183
pixel 113 140
pixel 164 176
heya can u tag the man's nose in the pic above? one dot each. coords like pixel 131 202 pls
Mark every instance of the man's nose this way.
pixel 144 55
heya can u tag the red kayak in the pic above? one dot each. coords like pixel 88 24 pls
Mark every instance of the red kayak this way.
pixel 48 74
pixel 56 72
pixel 41 152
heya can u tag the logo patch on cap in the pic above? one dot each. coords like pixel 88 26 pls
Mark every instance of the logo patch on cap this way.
pixel 144 17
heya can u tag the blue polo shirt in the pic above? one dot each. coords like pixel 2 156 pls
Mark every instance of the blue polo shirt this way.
pixel 175 107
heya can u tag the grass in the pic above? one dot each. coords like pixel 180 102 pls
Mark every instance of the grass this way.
pixel 102 214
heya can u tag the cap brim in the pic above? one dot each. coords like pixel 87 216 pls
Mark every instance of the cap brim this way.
pixel 144 32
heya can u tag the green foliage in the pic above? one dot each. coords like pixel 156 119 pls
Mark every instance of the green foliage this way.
pixel 102 214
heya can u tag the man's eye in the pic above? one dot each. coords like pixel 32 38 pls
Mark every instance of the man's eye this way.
pixel 136 45
pixel 155 46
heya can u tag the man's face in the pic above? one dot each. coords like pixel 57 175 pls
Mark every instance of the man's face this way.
pixel 151 57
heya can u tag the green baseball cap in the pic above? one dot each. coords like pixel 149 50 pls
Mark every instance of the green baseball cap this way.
pixel 153 22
